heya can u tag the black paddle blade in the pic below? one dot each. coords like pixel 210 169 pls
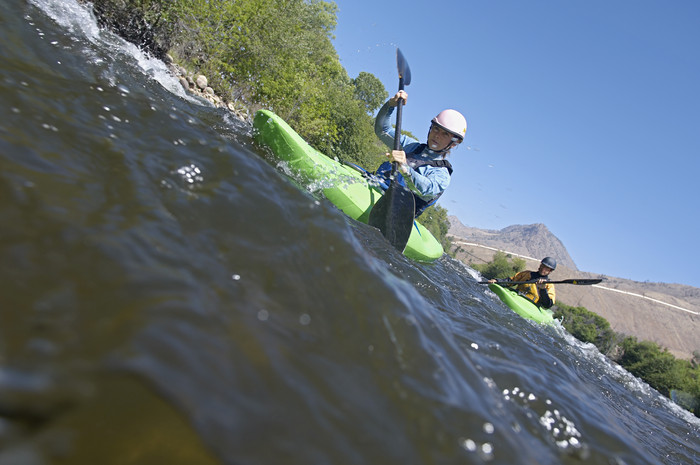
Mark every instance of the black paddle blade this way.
pixel 581 282
pixel 402 65
pixel 393 215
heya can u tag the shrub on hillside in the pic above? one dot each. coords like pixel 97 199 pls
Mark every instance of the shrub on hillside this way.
pixel 587 326
pixel 502 266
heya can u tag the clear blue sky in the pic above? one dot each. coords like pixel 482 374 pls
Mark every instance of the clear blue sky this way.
pixel 582 115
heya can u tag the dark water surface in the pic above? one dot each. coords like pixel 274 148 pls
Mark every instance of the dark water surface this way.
pixel 168 296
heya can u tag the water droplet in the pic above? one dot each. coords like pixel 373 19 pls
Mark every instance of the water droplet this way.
pixel 469 445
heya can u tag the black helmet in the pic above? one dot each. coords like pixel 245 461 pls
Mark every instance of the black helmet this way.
pixel 549 262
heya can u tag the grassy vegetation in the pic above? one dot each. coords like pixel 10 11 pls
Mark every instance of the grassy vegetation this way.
pixel 675 378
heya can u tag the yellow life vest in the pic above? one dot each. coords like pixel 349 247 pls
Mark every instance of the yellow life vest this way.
pixel 530 291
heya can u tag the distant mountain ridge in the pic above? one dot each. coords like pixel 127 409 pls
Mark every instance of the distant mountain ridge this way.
pixel 532 240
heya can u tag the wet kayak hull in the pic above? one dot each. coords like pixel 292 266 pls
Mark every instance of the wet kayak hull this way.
pixel 344 186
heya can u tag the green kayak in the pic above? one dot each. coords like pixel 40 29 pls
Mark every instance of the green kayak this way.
pixel 521 305
pixel 344 186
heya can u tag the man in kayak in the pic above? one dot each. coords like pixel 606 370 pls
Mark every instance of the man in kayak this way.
pixel 540 292
pixel 424 167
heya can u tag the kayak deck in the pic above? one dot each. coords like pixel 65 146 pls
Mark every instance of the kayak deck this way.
pixel 349 191
pixel 521 305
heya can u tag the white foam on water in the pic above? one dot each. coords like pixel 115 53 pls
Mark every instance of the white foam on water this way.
pixel 79 20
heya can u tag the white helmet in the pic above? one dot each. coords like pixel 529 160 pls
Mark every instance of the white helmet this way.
pixel 453 122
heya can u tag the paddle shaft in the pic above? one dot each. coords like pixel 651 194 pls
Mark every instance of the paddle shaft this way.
pixel 579 282
pixel 397 134
pixel 404 80
pixel 394 212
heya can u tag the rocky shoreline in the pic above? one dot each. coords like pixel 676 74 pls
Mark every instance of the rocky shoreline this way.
pixel 198 84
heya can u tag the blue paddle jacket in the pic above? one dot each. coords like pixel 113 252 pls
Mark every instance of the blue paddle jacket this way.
pixel 427 182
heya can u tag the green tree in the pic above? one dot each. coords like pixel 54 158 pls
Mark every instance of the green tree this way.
pixel 370 91
pixel 434 218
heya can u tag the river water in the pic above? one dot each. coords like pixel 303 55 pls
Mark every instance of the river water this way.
pixel 168 296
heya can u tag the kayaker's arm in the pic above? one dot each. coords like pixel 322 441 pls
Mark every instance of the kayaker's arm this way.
pixel 428 181
pixel 544 301
pixel 382 123
pixel 546 295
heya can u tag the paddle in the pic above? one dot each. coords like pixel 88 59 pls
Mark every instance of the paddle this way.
pixel 580 282
pixel 394 212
